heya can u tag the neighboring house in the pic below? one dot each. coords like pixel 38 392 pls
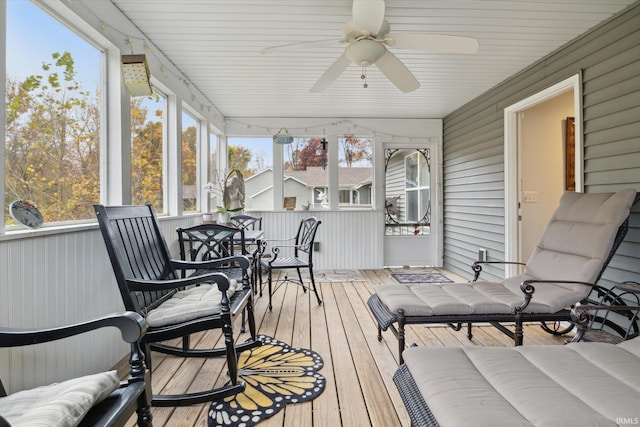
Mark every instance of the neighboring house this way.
pixel 307 186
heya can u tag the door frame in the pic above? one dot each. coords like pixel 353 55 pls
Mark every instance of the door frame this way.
pixel 511 170
pixel 436 238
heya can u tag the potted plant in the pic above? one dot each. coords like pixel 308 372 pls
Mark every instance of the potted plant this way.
pixel 217 189
pixel 223 213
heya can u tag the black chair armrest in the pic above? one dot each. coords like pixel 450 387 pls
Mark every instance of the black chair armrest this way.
pixel 477 266
pixel 583 315
pixel 131 325
pixel 242 260
pixel 528 289
pixel 275 250
pixel 159 285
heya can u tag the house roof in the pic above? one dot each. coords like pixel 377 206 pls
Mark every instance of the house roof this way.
pixel 315 176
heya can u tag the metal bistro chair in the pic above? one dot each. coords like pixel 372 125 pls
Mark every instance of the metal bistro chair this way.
pixel 151 284
pixel 209 242
pixel 302 257
pixel 252 247
pixel 246 222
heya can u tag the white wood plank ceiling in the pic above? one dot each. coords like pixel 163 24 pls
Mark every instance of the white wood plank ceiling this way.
pixel 217 44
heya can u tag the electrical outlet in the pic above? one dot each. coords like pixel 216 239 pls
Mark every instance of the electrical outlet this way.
pixel 482 254
pixel 316 246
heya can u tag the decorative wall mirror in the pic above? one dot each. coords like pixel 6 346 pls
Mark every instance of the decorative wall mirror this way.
pixel 407 191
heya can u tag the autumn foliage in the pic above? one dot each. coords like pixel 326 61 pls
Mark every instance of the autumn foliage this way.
pixel 53 130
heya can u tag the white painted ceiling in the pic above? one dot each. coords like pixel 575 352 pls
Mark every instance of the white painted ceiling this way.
pixel 217 45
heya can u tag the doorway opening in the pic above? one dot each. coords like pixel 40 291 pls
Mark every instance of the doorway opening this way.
pixel 534 173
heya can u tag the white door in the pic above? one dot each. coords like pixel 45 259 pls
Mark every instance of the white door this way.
pixel 411 214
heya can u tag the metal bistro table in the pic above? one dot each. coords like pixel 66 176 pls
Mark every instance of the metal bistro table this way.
pixel 251 237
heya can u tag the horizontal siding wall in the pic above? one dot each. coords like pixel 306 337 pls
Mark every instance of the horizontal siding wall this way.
pixel 56 279
pixel 609 59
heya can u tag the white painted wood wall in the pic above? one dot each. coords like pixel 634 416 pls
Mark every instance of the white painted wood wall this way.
pixel 348 239
pixel 50 278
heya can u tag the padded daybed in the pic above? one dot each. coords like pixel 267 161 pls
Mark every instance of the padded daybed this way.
pixel 579 384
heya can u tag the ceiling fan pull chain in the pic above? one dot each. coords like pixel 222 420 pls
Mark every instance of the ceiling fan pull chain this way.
pixel 363 76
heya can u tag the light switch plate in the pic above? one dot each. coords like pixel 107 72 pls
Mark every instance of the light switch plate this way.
pixel 530 196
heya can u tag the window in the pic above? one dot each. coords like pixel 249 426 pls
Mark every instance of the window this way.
pixel 190 141
pixel 52 116
pixel 148 136
pixel 355 173
pixel 254 158
pixel 305 172
pixel 416 187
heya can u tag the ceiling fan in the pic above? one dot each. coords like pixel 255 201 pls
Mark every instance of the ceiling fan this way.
pixel 367 36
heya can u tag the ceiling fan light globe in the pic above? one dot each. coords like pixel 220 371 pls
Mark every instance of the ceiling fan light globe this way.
pixel 365 52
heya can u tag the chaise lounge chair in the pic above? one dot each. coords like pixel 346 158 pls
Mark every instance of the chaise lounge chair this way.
pixel 579 384
pixel 573 251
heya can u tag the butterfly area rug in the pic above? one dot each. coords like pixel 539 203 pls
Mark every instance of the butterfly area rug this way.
pixel 275 375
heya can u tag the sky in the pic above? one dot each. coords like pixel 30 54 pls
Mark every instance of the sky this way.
pixel 259 147
pixel 32 36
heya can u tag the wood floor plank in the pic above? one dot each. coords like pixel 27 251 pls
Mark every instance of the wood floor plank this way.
pixel 385 362
pixel 326 409
pixel 300 414
pixel 371 384
pixel 353 409
pixel 286 296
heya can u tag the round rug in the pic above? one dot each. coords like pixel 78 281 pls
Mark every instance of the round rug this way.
pixel 275 374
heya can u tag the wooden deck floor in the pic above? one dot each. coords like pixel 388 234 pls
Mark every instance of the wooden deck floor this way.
pixel 358 368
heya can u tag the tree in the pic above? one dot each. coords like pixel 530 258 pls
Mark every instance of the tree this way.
pixel 189 166
pixel 239 157
pixel 303 153
pixel 146 156
pixel 52 142
pixel 355 150
pixel 313 154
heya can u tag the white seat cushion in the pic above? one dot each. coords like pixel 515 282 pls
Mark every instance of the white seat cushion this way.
pixel 60 404
pixel 475 298
pixel 582 384
pixel 198 301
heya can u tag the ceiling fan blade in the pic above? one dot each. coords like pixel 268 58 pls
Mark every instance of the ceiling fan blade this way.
pixel 331 74
pixel 435 43
pixel 302 46
pixel 397 72
pixel 368 15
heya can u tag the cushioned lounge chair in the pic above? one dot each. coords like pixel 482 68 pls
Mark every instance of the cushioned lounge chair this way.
pixel 580 384
pixel 569 258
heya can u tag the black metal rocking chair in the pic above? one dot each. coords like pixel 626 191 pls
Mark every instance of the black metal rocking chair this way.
pixel 174 306
pixel 302 258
